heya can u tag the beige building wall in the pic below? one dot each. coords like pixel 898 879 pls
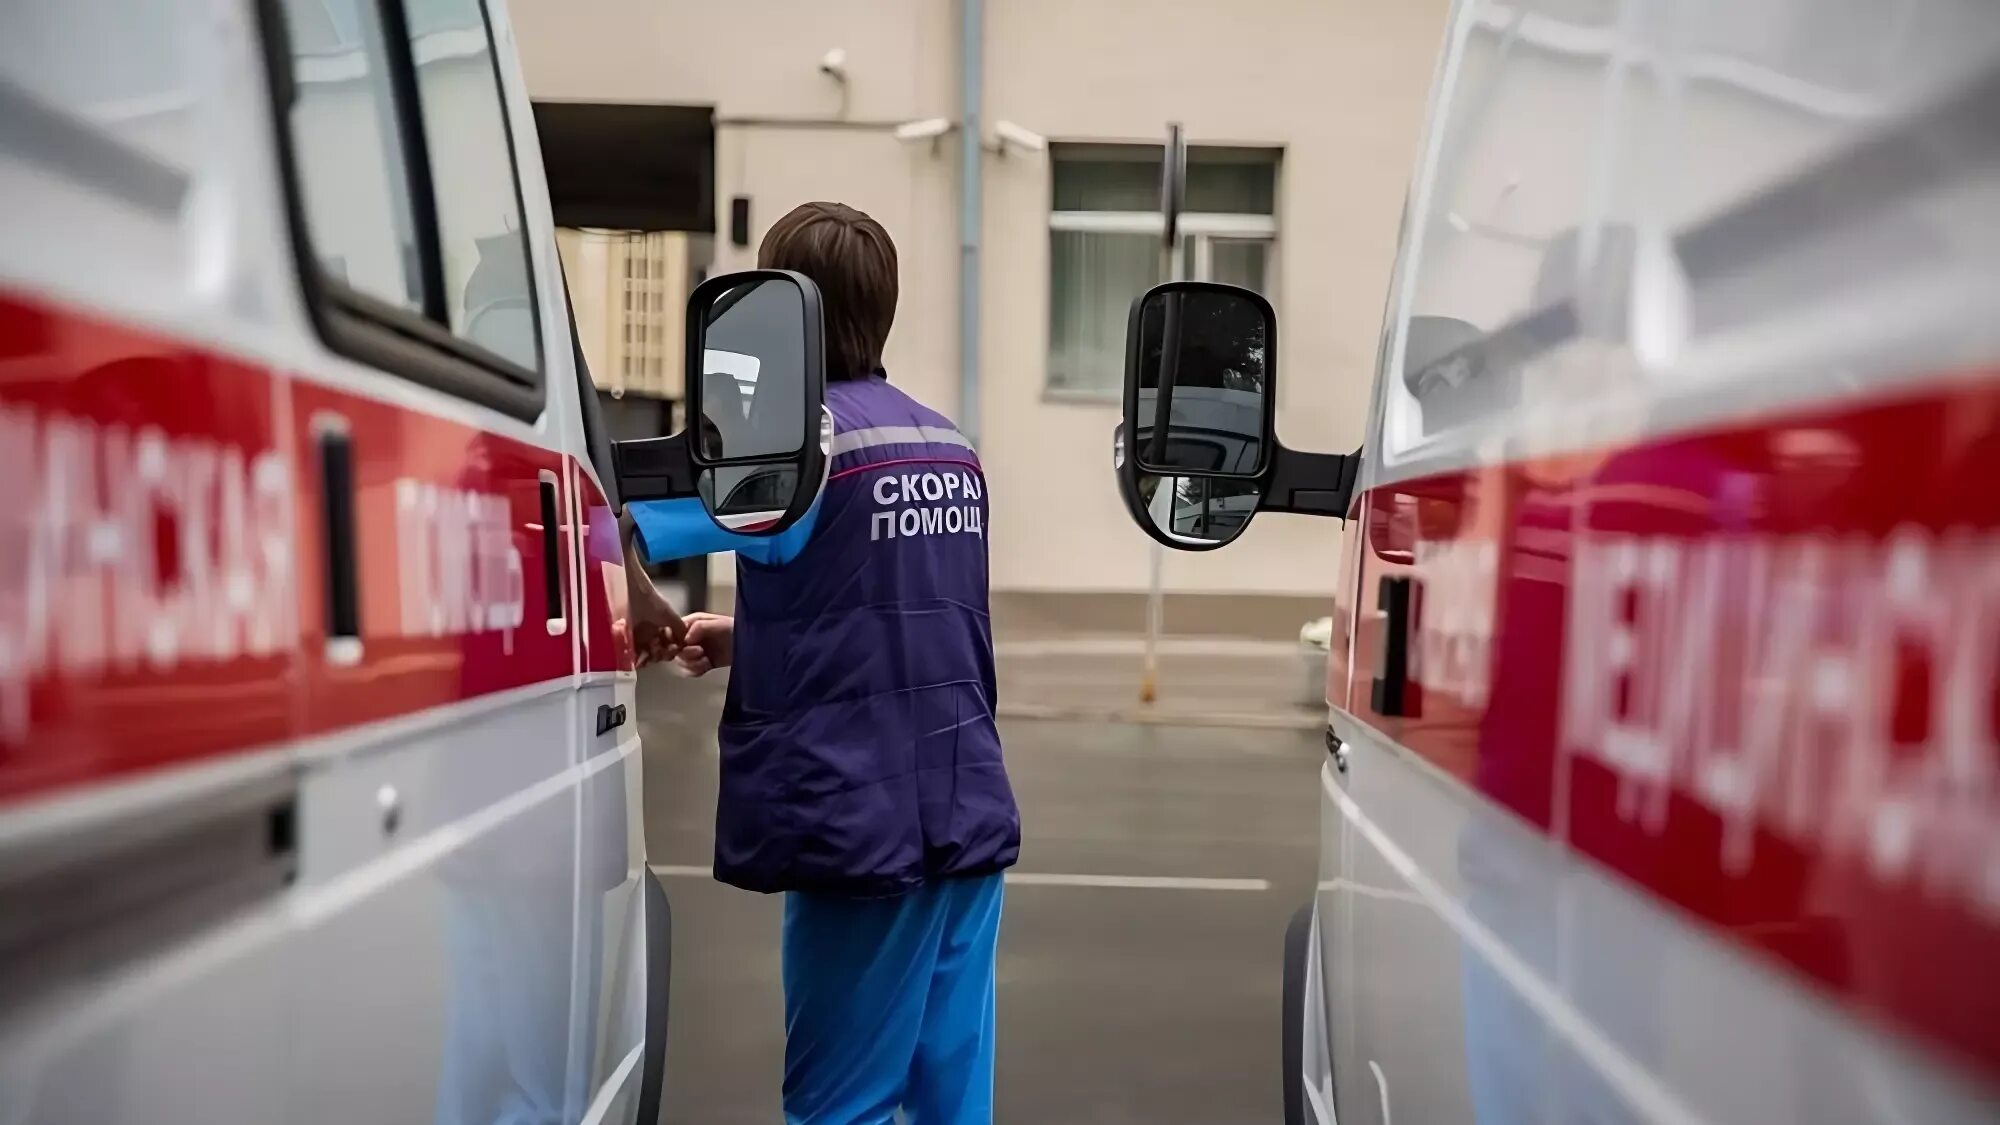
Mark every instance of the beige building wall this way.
pixel 1339 85
pixel 630 291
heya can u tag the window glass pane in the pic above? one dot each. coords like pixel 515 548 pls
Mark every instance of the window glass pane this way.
pixel 1473 267
pixel 1232 182
pixel 488 297
pixel 1240 261
pixel 1239 181
pixel 349 150
pixel 1093 279
pixel 1109 185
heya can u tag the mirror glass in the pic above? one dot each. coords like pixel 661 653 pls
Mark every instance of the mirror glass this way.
pixel 753 374
pixel 1203 366
pixel 1199 511
pixel 750 499
pixel 746 497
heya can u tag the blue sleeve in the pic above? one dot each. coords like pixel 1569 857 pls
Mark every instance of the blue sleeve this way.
pixel 680 529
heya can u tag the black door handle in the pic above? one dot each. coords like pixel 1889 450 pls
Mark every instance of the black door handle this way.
pixel 1337 750
pixel 551 553
pixel 343 591
pixel 1392 693
pixel 610 717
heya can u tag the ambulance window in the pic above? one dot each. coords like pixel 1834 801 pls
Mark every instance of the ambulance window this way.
pixel 102 139
pixel 488 295
pixel 411 229
pixel 1508 168
pixel 348 149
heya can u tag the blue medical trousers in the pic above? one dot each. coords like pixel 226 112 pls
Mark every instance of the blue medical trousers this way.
pixel 889 1002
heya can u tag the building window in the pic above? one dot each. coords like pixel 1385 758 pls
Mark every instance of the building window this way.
pixel 1104 245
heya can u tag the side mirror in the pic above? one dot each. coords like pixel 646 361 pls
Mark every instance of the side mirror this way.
pixel 1199 358
pixel 755 385
pixel 1197 454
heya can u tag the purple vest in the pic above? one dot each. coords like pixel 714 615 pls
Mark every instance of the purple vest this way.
pixel 859 751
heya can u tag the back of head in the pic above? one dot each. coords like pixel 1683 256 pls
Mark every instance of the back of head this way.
pixel 853 261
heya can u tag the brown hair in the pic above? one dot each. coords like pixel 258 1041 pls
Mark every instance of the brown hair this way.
pixel 853 261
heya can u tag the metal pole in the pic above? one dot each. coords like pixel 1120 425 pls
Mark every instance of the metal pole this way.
pixel 1149 684
pixel 1170 369
pixel 1156 557
pixel 971 149
pixel 1173 180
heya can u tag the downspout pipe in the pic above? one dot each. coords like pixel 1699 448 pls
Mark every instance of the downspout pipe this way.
pixel 971 149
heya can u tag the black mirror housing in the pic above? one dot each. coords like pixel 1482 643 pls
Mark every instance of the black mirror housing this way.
pixel 1146 494
pixel 1199 357
pixel 754 380
pixel 1196 453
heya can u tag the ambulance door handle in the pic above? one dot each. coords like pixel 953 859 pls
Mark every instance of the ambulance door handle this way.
pixel 1392 693
pixel 551 556
pixel 343 592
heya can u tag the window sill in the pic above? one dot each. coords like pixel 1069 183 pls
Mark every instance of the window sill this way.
pixel 1071 396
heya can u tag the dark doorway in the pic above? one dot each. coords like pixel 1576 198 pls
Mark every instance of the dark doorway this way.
pixel 629 167
pixel 623 167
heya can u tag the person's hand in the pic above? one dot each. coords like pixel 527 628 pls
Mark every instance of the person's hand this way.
pixel 709 644
pixel 657 631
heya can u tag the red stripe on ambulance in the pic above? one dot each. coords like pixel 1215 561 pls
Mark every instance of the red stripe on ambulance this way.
pixel 162 585
pixel 1755 671
pixel 147 590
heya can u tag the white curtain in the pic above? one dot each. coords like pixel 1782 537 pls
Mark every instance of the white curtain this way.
pixel 1093 280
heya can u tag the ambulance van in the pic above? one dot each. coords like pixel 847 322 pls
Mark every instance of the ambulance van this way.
pixel 1663 751
pixel 319 774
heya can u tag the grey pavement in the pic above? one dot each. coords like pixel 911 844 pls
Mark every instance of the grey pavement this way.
pixel 1116 1004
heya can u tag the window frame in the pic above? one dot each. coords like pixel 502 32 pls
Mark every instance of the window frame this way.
pixel 1219 224
pixel 420 347
pixel 1190 261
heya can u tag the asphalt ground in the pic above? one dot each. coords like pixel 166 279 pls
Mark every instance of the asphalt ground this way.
pixel 1139 973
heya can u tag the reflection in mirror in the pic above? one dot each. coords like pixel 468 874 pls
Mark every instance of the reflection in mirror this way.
pixel 1204 511
pixel 753 372
pixel 1203 361
pixel 749 499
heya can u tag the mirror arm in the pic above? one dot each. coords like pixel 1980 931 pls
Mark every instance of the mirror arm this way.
pixel 1311 484
pixel 655 468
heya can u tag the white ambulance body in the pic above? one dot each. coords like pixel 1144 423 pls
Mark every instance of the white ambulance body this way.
pixel 319 784
pixel 1663 779
pixel 1677 796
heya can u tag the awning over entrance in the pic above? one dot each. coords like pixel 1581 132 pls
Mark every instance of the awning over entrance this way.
pixel 629 167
